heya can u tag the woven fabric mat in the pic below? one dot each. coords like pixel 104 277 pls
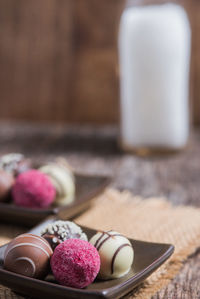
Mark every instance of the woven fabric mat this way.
pixel 152 219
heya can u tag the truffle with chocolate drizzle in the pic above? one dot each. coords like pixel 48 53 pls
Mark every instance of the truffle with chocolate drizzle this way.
pixel 116 254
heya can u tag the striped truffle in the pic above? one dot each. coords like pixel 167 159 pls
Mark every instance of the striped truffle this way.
pixel 116 254
pixel 28 255
pixel 63 181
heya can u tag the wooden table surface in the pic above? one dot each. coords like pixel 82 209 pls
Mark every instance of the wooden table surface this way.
pixel 95 151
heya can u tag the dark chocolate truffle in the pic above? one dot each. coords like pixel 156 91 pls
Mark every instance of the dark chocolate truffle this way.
pixel 6 183
pixel 28 255
pixel 59 231
pixel 15 163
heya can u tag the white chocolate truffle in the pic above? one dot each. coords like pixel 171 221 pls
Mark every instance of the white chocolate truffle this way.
pixel 116 254
pixel 63 180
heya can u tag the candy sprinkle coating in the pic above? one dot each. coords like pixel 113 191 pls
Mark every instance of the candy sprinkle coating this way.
pixel 33 189
pixel 75 263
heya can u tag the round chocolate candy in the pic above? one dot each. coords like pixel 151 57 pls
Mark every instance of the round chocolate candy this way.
pixel 6 183
pixel 60 231
pixel 116 254
pixel 63 180
pixel 33 189
pixel 75 263
pixel 28 255
pixel 14 163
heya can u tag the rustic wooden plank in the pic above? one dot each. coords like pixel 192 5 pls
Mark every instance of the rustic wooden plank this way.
pixel 35 58
pixel 58 59
pixel 186 284
pixel 46 51
pixel 95 87
pixel 97 22
pixel 195 19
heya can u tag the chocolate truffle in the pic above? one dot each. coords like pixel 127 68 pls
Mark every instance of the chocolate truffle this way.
pixel 33 189
pixel 59 231
pixel 63 180
pixel 6 183
pixel 15 163
pixel 116 254
pixel 28 255
pixel 75 263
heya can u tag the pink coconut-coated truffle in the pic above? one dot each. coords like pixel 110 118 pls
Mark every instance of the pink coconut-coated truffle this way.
pixel 33 189
pixel 75 263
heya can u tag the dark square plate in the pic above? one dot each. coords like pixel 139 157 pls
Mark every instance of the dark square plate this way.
pixel 148 257
pixel 86 188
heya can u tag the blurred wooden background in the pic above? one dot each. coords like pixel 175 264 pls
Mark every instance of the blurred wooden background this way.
pixel 58 59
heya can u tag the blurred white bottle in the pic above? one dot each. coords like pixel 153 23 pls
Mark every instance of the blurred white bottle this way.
pixel 154 58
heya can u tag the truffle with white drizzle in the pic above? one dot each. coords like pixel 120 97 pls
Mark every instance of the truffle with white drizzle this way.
pixel 116 254
pixel 59 231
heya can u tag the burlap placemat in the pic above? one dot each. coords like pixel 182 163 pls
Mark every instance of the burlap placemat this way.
pixel 152 219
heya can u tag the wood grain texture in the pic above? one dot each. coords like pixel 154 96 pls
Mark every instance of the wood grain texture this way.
pixel 35 58
pixel 97 22
pixel 59 60
pixel 195 21
pixel 186 284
